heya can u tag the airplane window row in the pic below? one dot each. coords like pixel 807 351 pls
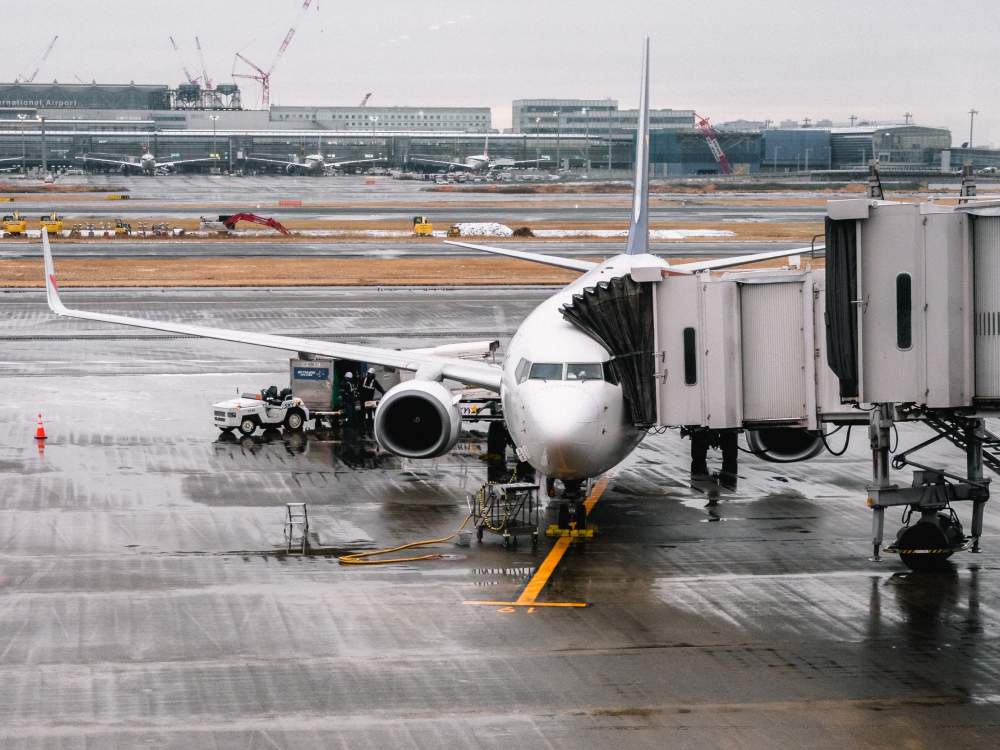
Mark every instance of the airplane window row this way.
pixel 558 371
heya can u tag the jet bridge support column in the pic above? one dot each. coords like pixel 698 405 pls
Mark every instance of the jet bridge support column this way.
pixel 975 433
pixel 879 426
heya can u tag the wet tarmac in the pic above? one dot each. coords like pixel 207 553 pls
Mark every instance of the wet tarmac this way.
pixel 147 598
pixel 375 249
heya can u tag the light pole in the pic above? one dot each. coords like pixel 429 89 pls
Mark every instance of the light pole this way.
pixel 24 148
pixel 557 113
pixel 972 118
pixel 807 158
pixel 586 138
pixel 44 164
pixel 215 153
pixel 609 141
pixel 538 151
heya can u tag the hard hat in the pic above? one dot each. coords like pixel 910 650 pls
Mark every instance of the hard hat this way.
pixel 349 375
pixel 371 370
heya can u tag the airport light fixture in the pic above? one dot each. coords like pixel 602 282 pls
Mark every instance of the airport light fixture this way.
pixel 972 119
pixel 24 147
pixel 44 164
pixel 215 151
pixel 586 138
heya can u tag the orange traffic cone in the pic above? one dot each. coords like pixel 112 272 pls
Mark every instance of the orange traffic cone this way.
pixel 40 432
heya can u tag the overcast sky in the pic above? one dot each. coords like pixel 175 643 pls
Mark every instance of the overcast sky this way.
pixel 726 59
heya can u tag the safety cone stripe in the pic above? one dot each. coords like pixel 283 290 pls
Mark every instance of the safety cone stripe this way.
pixel 40 432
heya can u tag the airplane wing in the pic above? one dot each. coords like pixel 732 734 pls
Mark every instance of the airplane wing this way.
pixel 354 161
pixel 118 162
pixel 548 260
pixel 438 163
pixel 740 260
pixel 168 164
pixel 474 373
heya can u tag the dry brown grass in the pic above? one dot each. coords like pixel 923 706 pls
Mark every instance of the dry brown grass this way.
pixel 294 272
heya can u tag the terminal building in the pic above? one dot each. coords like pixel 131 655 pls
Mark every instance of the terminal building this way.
pixel 423 119
pixel 583 116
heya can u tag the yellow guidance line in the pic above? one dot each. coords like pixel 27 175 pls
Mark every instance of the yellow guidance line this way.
pixel 548 566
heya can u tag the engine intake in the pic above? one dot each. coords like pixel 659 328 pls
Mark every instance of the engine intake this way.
pixel 418 419
pixel 784 444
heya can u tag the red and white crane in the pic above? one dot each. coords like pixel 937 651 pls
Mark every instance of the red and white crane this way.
pixel 204 71
pixel 365 100
pixel 192 81
pixel 44 57
pixel 265 78
pixel 713 144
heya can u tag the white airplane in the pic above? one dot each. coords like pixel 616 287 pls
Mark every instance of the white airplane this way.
pixel 563 405
pixel 476 163
pixel 147 163
pixel 315 164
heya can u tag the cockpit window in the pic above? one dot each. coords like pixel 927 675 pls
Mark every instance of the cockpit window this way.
pixel 545 371
pixel 521 373
pixel 585 371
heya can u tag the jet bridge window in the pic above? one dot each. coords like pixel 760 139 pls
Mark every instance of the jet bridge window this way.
pixel 690 358
pixel 588 371
pixel 904 312
pixel 545 371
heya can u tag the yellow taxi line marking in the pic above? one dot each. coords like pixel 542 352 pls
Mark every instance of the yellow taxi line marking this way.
pixel 548 566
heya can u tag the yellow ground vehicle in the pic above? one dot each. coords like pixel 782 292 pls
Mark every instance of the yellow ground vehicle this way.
pixel 52 222
pixel 421 227
pixel 122 228
pixel 15 224
pixel 454 231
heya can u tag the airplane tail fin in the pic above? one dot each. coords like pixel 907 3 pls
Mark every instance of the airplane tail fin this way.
pixel 51 288
pixel 638 232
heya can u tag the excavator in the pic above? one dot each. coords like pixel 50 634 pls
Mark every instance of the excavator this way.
pixel 230 221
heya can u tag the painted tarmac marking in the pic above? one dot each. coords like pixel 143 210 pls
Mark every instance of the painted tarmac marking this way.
pixel 548 566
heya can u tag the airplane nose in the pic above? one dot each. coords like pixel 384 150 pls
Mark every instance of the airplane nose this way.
pixel 562 429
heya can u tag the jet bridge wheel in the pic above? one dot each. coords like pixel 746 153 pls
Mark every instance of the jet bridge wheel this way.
pixel 925 535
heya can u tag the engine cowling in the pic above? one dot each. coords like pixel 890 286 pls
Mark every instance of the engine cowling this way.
pixel 784 444
pixel 418 419
pixel 290 169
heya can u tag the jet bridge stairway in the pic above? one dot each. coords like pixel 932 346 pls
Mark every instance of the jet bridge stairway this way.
pixel 937 533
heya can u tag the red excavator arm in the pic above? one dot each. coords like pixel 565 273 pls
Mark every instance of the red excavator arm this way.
pixel 230 221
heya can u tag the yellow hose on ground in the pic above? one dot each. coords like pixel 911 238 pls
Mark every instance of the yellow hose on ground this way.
pixel 355 559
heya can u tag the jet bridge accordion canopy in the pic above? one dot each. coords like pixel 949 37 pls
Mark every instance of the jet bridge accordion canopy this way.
pixel 619 314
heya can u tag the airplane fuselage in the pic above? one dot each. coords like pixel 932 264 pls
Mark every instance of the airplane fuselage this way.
pixel 573 424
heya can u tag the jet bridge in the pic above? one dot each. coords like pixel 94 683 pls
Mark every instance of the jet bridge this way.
pixel 902 324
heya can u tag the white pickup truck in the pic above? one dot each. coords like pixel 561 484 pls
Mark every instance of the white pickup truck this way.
pixel 269 408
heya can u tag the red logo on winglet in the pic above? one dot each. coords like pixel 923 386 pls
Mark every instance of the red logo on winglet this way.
pixel 52 278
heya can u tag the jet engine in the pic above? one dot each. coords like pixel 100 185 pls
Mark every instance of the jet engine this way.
pixel 290 169
pixel 784 444
pixel 418 419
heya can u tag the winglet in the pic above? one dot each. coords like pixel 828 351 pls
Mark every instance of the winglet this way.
pixel 51 287
pixel 638 231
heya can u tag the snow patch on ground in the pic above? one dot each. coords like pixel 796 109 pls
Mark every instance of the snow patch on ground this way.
pixel 484 229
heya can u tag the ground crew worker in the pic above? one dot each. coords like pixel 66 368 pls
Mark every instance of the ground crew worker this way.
pixel 366 392
pixel 349 399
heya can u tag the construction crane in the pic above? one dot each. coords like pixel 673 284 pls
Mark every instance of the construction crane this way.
pixel 192 81
pixel 204 71
pixel 44 58
pixel 265 78
pixel 230 221
pixel 713 144
pixel 365 100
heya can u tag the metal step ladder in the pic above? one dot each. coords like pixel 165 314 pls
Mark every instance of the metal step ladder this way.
pixel 955 428
pixel 296 526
